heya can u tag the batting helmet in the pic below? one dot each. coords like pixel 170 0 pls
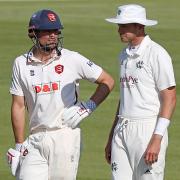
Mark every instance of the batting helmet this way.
pixel 43 20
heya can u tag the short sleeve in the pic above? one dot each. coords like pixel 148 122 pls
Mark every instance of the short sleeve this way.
pixel 85 68
pixel 16 87
pixel 163 70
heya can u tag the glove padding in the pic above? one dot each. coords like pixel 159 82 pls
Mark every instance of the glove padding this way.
pixel 13 157
pixel 75 114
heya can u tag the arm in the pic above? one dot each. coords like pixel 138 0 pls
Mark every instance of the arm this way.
pixel 18 117
pixel 105 85
pixel 18 121
pixel 108 145
pixel 75 114
pixel 168 103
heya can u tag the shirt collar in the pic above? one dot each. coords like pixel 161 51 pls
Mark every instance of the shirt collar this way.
pixel 145 42
pixel 32 59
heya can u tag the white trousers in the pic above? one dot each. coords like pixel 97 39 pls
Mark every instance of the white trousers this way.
pixel 129 143
pixel 51 155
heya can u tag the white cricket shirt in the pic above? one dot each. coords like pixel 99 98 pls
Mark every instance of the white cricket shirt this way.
pixel 143 74
pixel 48 88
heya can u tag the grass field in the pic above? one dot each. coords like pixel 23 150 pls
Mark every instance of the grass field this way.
pixel 86 32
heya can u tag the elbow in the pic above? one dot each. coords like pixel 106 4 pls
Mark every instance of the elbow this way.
pixel 106 80
pixel 110 83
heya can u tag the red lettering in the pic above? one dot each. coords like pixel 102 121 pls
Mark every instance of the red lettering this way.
pixel 37 89
pixel 46 88
pixel 50 87
pixel 54 86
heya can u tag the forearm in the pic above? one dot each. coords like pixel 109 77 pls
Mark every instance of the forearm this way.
pixel 114 123
pixel 100 94
pixel 18 120
pixel 168 103
pixel 105 85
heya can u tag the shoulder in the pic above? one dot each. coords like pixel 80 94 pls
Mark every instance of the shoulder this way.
pixel 158 49
pixel 159 56
pixel 20 59
pixel 68 53
pixel 73 56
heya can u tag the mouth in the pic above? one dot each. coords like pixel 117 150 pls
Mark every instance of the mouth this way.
pixel 52 44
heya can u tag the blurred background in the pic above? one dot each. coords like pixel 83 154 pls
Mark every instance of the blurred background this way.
pixel 86 31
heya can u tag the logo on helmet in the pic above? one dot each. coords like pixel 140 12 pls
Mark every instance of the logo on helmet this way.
pixel 51 17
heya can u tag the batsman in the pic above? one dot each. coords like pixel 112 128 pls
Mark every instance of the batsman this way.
pixel 45 82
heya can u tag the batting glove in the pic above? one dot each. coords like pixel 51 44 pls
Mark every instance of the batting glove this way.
pixel 75 114
pixel 13 156
pixel 13 160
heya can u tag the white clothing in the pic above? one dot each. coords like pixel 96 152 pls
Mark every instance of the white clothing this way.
pixel 144 72
pixel 49 88
pixel 51 155
pixel 130 140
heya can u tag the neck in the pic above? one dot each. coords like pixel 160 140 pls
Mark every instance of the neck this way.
pixel 42 55
pixel 136 41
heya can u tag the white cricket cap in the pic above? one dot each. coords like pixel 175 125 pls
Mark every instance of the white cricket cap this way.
pixel 131 13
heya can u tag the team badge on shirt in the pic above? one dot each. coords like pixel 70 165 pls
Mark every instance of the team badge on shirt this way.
pixel 59 68
pixel 139 64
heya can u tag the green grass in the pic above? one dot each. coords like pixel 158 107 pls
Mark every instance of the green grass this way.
pixel 86 32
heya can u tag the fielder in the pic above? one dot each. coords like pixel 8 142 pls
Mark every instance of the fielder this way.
pixel 138 139
pixel 44 81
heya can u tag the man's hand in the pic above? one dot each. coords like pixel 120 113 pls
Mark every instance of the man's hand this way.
pixel 13 160
pixel 75 114
pixel 13 156
pixel 152 151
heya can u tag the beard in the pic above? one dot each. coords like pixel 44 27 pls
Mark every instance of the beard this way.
pixel 48 47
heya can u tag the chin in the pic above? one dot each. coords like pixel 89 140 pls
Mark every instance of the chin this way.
pixel 52 46
pixel 124 40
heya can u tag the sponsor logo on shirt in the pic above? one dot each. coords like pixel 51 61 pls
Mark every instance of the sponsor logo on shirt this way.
pixel 46 88
pixel 59 68
pixel 128 81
